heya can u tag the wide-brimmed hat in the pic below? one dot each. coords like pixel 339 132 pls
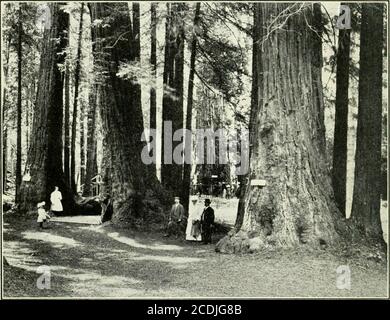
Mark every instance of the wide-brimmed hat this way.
pixel 41 204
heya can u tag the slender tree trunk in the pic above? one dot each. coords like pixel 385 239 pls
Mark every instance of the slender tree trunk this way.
pixel 339 171
pixel 44 160
pixel 18 179
pixel 153 62
pixel 82 144
pixel 121 113
pixel 136 31
pixel 295 206
pixel 254 102
pixel 171 173
pixel 66 125
pixel 75 102
pixel 5 131
pixel 190 97
pixel 5 157
pixel 366 195
pixel 91 141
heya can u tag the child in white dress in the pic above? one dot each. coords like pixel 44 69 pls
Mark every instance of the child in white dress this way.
pixel 43 216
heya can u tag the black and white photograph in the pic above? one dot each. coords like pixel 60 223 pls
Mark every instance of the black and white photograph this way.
pixel 194 150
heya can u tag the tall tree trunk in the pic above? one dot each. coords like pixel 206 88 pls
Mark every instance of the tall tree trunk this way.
pixel 82 144
pixel 121 115
pixel 242 179
pixel 171 173
pixel 18 179
pixel 366 195
pixel 75 102
pixel 66 125
pixel 339 170
pixel 190 97
pixel 295 206
pixel 5 157
pixel 91 141
pixel 4 102
pixel 44 160
pixel 153 62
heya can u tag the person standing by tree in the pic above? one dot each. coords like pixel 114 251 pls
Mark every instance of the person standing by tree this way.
pixel 176 218
pixel 55 199
pixel 207 221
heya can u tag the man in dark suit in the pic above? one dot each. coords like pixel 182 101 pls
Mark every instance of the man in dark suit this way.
pixel 177 218
pixel 207 221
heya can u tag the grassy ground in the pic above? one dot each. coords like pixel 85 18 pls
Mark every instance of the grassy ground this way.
pixel 97 261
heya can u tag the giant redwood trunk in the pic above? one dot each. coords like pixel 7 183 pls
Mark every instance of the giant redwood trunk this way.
pixel 339 170
pixel 366 195
pixel 44 160
pixel 295 206
pixel 172 173
pixel 121 114
pixel 91 141
pixel 18 179
pixel 77 73
pixel 190 99
pixel 254 101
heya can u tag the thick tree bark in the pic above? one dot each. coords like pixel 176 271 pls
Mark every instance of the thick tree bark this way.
pixel 295 206
pixel 366 195
pixel 339 170
pixel 190 98
pixel 172 174
pixel 44 160
pixel 75 102
pixel 127 180
pixel 18 179
pixel 153 62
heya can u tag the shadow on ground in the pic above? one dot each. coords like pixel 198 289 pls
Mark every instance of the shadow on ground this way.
pixel 97 261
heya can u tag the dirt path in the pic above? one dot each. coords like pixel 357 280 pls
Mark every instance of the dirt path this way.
pixel 90 260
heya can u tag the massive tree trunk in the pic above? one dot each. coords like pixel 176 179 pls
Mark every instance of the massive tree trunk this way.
pixel 295 206
pixel 171 173
pixel 190 98
pixel 366 195
pixel 131 188
pixel 153 62
pixel 18 179
pixel 44 160
pixel 339 171
pixel 75 102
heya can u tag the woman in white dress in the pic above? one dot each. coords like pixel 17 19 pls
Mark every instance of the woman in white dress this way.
pixel 55 199
pixel 193 223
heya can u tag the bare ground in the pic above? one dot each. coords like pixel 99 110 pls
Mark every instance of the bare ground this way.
pixel 96 261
